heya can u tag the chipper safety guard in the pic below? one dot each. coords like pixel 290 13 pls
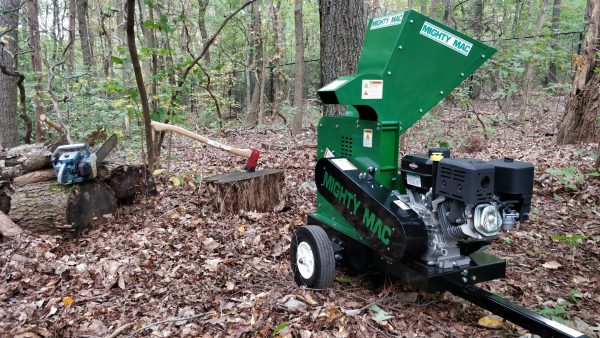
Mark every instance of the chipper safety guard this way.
pixel 427 218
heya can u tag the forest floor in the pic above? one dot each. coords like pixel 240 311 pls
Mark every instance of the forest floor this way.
pixel 170 266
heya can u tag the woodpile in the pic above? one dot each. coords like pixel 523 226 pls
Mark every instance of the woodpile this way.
pixel 31 198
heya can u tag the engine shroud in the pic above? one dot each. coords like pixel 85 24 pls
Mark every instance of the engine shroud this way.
pixel 466 180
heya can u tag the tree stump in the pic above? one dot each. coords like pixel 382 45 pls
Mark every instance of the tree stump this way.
pixel 49 207
pixel 128 181
pixel 260 191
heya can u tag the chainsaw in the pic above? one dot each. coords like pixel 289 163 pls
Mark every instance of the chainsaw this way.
pixel 74 163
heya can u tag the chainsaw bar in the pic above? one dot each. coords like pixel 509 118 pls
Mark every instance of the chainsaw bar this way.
pixel 106 148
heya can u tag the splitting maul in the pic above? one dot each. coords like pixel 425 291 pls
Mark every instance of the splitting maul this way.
pixel 425 218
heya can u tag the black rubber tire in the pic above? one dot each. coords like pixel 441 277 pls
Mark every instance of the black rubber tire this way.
pixel 320 244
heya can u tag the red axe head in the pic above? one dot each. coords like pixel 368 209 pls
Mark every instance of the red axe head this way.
pixel 251 162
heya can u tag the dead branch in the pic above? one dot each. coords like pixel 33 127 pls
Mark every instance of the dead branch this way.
pixel 207 44
pixel 172 320
pixel 119 330
pixel 50 123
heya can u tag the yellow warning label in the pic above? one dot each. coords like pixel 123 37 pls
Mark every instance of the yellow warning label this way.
pixel 372 89
pixel 368 138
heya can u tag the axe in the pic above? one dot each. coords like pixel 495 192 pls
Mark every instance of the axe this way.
pixel 251 154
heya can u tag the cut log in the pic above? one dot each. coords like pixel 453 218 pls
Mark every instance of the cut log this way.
pixel 35 177
pixel 48 207
pixel 24 159
pixel 7 227
pixel 261 191
pixel 129 181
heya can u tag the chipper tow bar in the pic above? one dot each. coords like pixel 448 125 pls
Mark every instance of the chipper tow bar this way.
pixel 428 221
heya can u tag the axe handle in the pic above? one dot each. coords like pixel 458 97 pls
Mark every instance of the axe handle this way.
pixel 157 126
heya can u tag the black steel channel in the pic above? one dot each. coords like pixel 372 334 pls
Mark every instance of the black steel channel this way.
pixel 519 315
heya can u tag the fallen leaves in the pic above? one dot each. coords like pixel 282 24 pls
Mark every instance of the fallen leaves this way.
pixel 491 322
pixel 172 255
pixel 551 265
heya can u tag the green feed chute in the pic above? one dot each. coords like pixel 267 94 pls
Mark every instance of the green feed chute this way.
pixel 407 65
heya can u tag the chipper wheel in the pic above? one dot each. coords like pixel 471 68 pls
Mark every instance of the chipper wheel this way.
pixel 312 258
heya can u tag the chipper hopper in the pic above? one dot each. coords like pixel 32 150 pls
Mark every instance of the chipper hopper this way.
pixel 427 218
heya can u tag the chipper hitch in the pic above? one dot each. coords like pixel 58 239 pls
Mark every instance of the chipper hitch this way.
pixel 427 218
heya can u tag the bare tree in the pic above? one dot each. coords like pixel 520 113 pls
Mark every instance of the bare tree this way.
pixel 299 81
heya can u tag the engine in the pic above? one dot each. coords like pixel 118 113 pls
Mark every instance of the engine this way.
pixel 464 203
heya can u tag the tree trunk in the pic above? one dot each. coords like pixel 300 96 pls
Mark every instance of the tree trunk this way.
pixel 580 123
pixel 433 9
pixel 84 37
pixel 448 12
pixel 260 191
pixel 202 5
pixel 9 136
pixel 529 67
pixel 299 80
pixel 551 78
pixel 48 207
pixel 36 64
pixel 120 27
pixel 342 32
pixel 71 30
pixel 139 79
pixel 255 111
pixel 276 75
pixel 107 34
pixel 477 26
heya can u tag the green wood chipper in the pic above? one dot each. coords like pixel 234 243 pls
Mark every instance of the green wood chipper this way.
pixel 424 218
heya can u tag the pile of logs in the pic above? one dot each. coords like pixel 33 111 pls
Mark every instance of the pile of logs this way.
pixel 32 199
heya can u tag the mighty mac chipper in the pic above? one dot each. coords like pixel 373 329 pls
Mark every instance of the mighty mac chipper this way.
pixel 427 218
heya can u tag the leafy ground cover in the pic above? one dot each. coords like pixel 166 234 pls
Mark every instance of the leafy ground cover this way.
pixel 169 266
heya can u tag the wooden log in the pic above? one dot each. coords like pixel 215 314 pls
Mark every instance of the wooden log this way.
pixel 129 181
pixel 35 177
pixel 24 159
pixel 7 227
pixel 48 207
pixel 261 191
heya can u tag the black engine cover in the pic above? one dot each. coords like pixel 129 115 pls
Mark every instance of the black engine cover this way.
pixel 514 181
pixel 467 180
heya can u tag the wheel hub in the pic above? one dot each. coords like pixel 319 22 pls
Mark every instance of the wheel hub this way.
pixel 305 260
